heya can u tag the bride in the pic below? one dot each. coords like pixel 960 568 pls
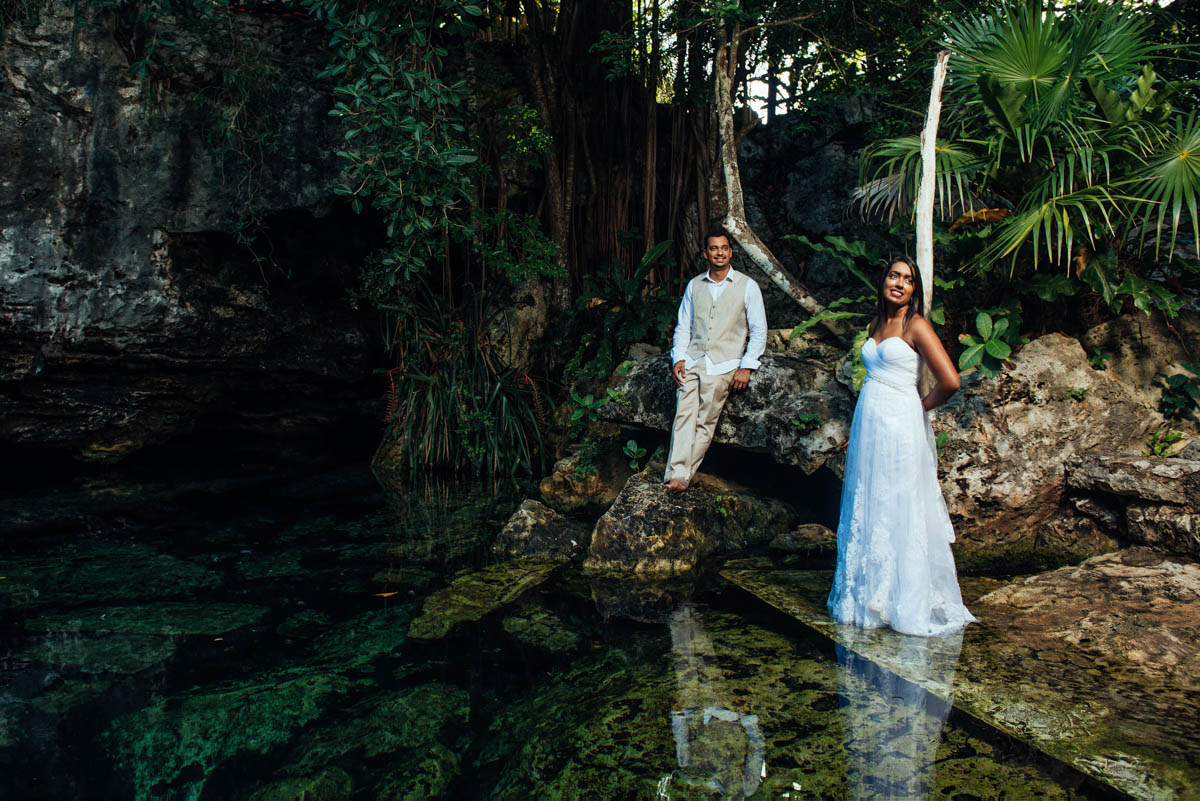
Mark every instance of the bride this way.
pixel 894 564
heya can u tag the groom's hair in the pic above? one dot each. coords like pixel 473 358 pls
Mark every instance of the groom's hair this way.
pixel 714 232
pixel 916 305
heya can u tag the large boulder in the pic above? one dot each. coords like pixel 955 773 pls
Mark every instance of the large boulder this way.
pixel 537 530
pixel 1009 437
pixel 651 531
pixel 587 480
pixel 132 312
pixel 793 409
pixel 1140 346
pixel 1151 500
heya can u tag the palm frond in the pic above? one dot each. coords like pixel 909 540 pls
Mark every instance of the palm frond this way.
pixel 1171 180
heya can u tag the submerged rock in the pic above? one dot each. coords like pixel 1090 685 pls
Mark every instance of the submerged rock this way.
pixel 178 742
pixel 331 784
pixel 651 531
pixel 537 530
pixel 162 618
pixel 358 641
pixel 540 628
pixel 575 486
pixel 111 654
pixel 474 595
pixel 389 725
pixel 100 573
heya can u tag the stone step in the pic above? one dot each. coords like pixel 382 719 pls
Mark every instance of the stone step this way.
pixel 1130 729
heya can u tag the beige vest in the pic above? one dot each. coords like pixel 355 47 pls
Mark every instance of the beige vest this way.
pixel 719 328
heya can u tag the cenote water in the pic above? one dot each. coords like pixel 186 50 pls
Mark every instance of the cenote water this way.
pixel 257 638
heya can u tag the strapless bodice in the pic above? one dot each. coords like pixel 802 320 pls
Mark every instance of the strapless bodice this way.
pixel 891 362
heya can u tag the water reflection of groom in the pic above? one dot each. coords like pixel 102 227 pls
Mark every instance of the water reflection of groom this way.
pixel 722 321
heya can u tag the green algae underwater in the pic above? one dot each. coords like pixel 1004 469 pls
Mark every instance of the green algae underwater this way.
pixel 314 637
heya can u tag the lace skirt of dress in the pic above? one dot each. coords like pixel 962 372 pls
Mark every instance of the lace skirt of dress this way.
pixel 894 566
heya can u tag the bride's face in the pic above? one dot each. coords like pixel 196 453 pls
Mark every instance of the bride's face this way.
pixel 898 284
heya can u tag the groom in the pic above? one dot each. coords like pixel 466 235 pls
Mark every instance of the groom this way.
pixel 720 333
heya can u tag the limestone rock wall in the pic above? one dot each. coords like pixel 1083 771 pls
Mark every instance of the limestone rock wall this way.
pixel 128 311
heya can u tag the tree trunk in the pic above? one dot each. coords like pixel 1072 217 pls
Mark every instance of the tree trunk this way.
pixel 735 218
pixel 925 195
pixel 928 186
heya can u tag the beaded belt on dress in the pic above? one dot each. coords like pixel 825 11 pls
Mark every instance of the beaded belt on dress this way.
pixel 892 384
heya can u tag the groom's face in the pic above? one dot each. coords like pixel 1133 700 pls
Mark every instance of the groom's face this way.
pixel 718 252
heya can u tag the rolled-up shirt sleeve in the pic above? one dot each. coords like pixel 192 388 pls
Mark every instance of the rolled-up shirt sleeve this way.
pixel 683 327
pixel 756 322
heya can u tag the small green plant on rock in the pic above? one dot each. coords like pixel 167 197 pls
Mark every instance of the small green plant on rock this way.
pixel 1076 394
pixel 1099 359
pixel 807 422
pixel 939 442
pixel 1181 393
pixel 992 347
pixel 1160 442
pixel 587 409
pixel 585 459
pixel 635 453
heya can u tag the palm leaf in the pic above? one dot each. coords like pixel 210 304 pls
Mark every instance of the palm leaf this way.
pixel 1172 180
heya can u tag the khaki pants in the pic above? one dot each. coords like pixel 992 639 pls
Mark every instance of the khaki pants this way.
pixel 698 404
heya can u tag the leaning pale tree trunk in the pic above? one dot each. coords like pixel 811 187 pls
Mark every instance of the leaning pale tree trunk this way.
pixel 735 219
pixel 928 186
pixel 926 192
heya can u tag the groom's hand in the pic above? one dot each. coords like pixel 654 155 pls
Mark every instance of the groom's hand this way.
pixel 741 378
pixel 678 371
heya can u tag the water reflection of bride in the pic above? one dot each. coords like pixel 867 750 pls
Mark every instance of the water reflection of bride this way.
pixel 892 725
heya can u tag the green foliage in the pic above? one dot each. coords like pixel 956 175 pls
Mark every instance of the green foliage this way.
pixel 585 459
pixel 807 422
pixel 405 144
pixel 1077 394
pixel 993 343
pixel 940 441
pixel 587 409
pixel 632 311
pixel 1180 392
pixel 635 453
pixel 1099 359
pixel 454 406
pixel 1160 442
pixel 1064 141
pixel 858 370
pixel 856 257
pixel 521 134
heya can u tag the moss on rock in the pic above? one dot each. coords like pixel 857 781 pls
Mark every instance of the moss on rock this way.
pixel 169 748
pixel 473 595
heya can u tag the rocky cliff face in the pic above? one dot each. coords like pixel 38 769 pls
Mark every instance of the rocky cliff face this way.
pixel 1002 467
pixel 130 313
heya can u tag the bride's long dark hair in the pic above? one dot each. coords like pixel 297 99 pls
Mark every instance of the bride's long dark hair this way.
pixel 916 304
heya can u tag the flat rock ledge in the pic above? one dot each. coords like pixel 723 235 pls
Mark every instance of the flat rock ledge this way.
pixel 1094 665
pixel 1152 501
pixel 537 530
pixel 649 531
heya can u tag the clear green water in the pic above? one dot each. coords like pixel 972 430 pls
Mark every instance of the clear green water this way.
pixel 248 639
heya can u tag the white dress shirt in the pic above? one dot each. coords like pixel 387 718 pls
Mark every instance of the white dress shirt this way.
pixel 756 322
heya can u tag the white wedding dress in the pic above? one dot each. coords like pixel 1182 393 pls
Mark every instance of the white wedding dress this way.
pixel 894 565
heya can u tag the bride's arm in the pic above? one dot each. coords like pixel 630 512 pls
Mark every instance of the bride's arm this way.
pixel 926 341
